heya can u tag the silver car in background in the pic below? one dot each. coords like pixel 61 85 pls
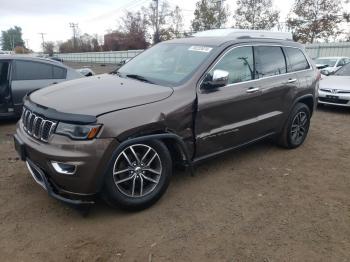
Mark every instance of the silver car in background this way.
pixel 328 65
pixel 335 89
pixel 20 75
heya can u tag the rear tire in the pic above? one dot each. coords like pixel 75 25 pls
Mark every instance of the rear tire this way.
pixel 296 128
pixel 139 176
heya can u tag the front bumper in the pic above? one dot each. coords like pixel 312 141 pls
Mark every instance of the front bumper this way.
pixel 90 157
pixel 337 99
pixel 53 190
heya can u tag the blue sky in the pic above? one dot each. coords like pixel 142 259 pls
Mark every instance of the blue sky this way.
pixel 93 17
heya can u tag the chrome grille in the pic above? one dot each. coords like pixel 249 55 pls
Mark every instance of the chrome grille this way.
pixel 335 91
pixel 37 126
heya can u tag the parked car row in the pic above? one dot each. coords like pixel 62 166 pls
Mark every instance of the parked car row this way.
pixel 335 83
pixel 20 75
pixel 335 89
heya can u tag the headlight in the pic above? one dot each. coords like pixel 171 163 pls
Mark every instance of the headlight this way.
pixel 80 132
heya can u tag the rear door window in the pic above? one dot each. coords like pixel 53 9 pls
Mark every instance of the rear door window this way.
pixel 59 72
pixel 28 70
pixel 296 59
pixel 269 61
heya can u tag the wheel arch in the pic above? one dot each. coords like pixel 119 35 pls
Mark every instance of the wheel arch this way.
pixel 171 141
pixel 307 100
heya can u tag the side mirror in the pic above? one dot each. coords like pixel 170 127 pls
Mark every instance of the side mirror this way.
pixel 218 78
pixel 326 72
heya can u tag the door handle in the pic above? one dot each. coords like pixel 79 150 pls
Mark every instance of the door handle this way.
pixel 253 90
pixel 55 83
pixel 291 80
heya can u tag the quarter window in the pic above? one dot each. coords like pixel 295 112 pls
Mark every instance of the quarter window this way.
pixel 269 61
pixel 238 63
pixel 296 59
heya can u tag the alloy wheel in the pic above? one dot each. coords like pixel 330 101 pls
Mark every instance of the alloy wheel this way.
pixel 299 127
pixel 137 170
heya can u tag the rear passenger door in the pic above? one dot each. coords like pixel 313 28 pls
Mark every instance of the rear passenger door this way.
pixel 277 87
pixel 31 75
pixel 299 65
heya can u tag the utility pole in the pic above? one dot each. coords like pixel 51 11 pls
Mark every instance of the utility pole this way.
pixel 13 42
pixel 219 4
pixel 156 37
pixel 43 40
pixel 74 27
pixel 27 43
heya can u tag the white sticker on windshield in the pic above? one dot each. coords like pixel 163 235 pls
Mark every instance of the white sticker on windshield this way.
pixel 198 48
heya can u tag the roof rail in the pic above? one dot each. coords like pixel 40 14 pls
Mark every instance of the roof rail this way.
pixel 244 33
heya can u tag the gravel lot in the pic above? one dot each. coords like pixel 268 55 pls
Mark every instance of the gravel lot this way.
pixel 262 203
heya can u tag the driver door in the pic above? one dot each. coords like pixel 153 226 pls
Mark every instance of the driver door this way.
pixel 227 116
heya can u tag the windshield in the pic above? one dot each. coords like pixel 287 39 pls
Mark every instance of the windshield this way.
pixel 344 71
pixel 326 61
pixel 166 64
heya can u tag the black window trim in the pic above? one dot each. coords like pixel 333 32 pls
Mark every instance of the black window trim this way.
pixel 14 69
pixel 224 52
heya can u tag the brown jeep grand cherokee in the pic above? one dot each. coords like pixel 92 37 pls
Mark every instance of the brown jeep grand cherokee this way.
pixel 179 102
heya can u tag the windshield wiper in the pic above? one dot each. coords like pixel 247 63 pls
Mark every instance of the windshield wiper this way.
pixel 141 78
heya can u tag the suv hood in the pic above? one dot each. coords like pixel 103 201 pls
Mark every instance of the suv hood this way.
pixel 98 95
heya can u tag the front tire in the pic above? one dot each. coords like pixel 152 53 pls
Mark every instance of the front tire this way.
pixel 139 176
pixel 296 128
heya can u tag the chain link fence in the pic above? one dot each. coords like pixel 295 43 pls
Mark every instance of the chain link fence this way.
pixel 328 49
pixel 111 57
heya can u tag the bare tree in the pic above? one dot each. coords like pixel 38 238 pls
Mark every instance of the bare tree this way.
pixel 312 20
pixel 161 20
pixel 255 14
pixel 49 48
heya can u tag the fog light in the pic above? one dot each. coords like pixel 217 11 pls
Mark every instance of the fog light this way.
pixel 64 168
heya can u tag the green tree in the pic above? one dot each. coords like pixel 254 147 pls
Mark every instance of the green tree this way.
pixel 312 20
pixel 209 15
pixel 12 38
pixel 255 14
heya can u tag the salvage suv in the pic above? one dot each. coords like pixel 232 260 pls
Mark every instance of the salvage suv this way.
pixel 180 102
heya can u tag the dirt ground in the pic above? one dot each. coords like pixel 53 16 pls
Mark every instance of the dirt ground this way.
pixel 262 203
